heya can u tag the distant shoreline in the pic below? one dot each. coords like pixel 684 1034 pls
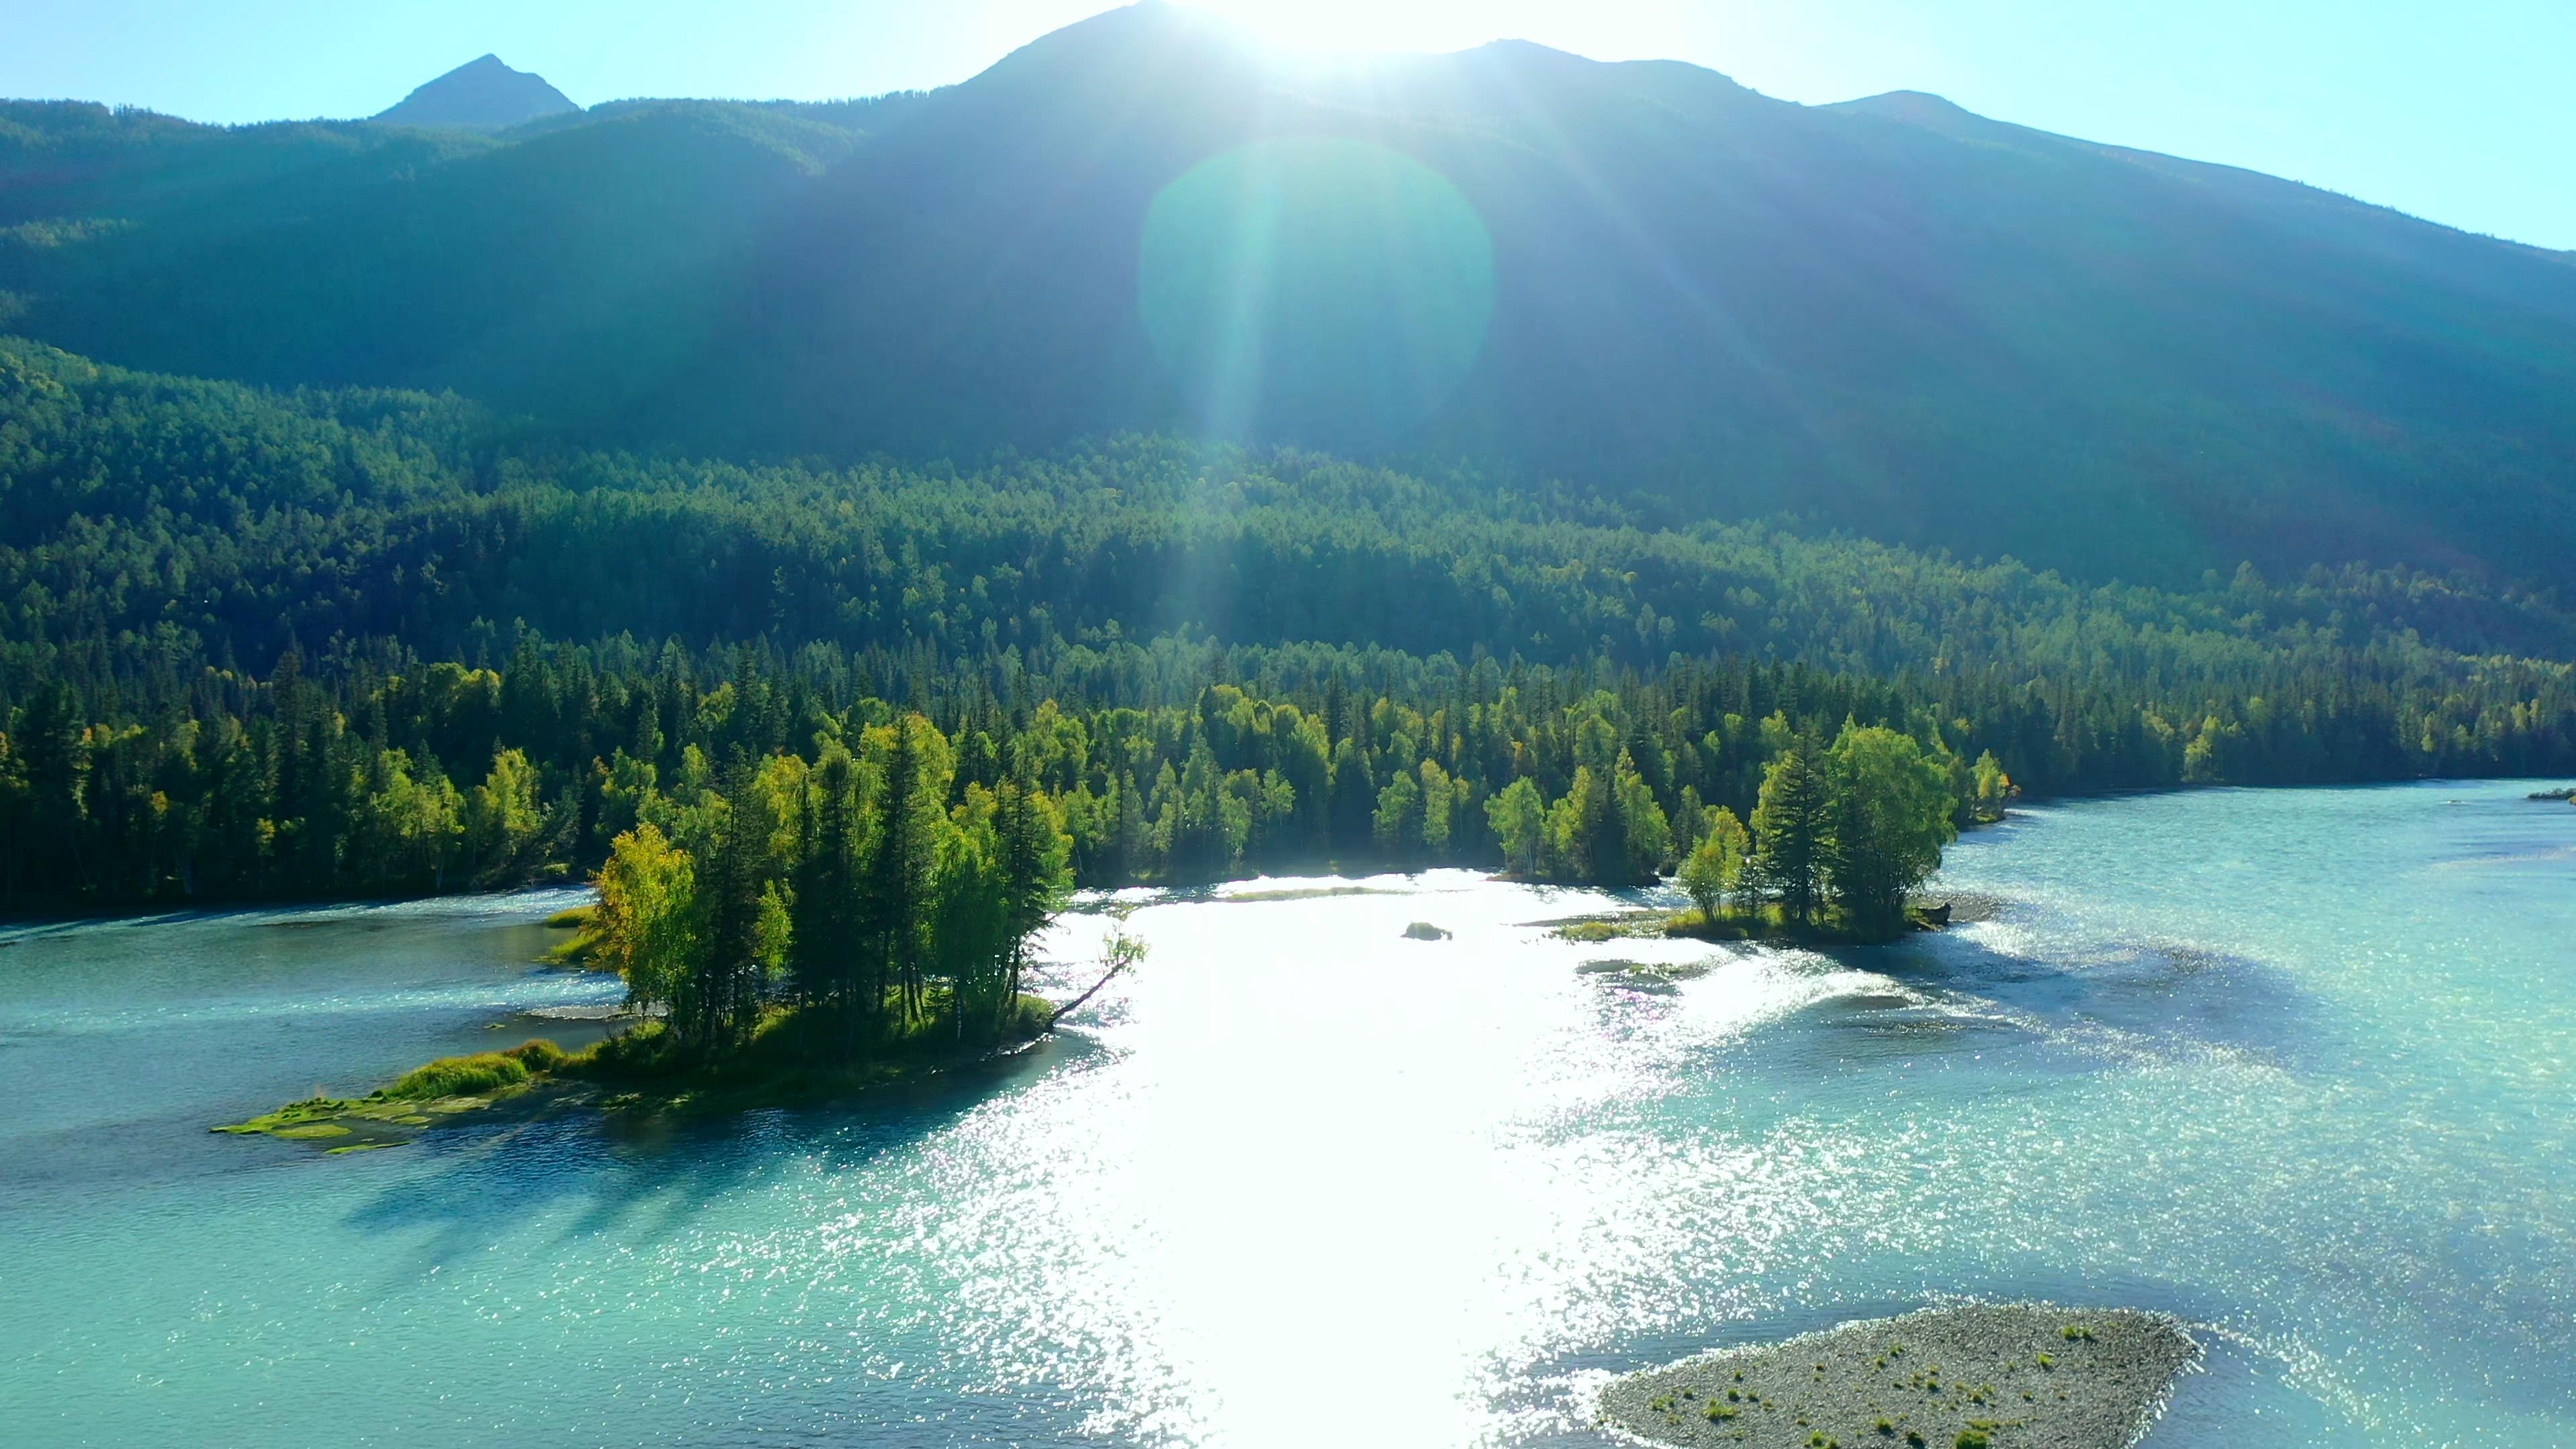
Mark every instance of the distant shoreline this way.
pixel 12 920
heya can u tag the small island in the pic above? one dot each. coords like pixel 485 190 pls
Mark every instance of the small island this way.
pixel 810 933
pixel 1974 1376
pixel 1754 923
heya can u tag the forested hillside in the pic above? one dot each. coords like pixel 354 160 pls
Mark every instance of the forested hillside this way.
pixel 260 644
pixel 1681 298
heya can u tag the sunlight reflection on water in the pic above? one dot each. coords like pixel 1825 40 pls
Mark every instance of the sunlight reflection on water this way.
pixel 1301 1181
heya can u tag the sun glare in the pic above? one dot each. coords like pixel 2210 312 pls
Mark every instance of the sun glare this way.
pixel 1361 24
pixel 1602 29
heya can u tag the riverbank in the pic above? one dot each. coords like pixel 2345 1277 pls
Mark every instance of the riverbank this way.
pixel 793 1058
pixel 2009 1376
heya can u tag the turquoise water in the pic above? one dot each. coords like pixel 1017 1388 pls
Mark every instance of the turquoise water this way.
pixel 2299 1066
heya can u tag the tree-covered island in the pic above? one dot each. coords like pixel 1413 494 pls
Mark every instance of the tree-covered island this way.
pixel 798 931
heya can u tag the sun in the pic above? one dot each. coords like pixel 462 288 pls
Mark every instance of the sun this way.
pixel 1602 29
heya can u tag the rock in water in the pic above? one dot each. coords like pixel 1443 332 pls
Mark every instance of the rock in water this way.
pixel 2013 1376
pixel 1424 931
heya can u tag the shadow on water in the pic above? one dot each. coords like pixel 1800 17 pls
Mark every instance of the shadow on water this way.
pixel 1955 997
pixel 2150 990
pixel 642 1178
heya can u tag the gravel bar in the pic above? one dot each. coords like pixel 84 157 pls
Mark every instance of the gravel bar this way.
pixel 2009 1376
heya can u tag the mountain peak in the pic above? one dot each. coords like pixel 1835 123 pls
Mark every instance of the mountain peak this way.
pixel 484 93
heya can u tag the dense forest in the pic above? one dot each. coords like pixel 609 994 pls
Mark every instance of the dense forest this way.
pixel 259 645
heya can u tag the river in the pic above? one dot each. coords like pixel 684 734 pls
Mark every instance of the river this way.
pixel 2299 1066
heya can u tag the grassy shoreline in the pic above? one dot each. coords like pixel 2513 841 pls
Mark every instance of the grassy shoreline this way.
pixel 787 1062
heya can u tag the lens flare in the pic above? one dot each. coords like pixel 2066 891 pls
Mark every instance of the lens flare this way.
pixel 1324 289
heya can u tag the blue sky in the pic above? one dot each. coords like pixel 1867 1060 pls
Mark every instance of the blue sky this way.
pixel 2463 113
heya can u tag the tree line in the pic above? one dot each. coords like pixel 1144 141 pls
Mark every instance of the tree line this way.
pixel 440 777
pixel 344 787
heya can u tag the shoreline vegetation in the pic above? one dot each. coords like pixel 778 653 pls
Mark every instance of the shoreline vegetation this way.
pixel 793 1057
pixel 1767 924
pixel 1970 1376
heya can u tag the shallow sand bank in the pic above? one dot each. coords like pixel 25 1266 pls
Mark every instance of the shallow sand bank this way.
pixel 2013 1376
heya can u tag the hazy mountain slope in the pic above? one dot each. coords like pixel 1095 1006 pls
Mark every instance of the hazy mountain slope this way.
pixel 1986 340
pixel 482 93
pixel 1890 315
pixel 556 272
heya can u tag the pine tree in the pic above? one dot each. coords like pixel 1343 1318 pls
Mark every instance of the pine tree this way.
pixel 1792 831
pixel 829 919
pixel 744 932
pixel 1032 848
pixel 898 871
pixel 1354 809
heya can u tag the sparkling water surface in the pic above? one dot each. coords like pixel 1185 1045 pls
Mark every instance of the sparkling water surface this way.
pixel 2299 1066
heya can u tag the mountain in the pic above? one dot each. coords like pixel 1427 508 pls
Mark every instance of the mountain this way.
pixel 482 93
pixel 1639 279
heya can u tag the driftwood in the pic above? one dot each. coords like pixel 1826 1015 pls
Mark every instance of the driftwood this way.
pixel 1075 1004
pixel 1120 954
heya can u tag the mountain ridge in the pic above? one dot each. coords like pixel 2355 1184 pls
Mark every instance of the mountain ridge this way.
pixel 1889 315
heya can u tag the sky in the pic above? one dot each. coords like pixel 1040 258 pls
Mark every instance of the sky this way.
pixel 2462 113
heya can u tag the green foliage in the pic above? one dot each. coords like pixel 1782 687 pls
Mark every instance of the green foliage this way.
pixel 1517 816
pixel 249 649
pixel 1892 810
pixel 481 1072
pixel 842 889
pixel 1988 788
pixel 1716 867
pixel 1793 840
pixel 647 917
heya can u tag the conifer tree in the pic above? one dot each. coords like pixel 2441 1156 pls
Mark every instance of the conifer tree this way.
pixel 898 868
pixel 1793 841
pixel 830 944
pixel 1032 848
